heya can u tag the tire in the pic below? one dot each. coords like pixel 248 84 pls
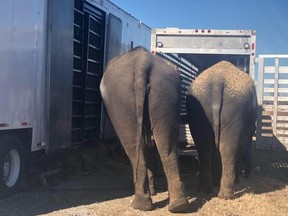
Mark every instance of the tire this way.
pixel 11 165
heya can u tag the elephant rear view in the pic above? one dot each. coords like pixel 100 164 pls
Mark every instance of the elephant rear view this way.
pixel 222 110
pixel 141 93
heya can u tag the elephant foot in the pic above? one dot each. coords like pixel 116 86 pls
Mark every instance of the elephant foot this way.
pixel 226 195
pixel 178 205
pixel 142 203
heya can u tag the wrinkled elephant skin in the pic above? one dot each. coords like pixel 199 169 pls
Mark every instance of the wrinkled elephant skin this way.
pixel 141 93
pixel 222 109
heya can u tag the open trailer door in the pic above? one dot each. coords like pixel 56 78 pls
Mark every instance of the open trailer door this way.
pixel 89 37
pixel 194 50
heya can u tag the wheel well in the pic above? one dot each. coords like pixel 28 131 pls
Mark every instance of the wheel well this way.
pixel 24 135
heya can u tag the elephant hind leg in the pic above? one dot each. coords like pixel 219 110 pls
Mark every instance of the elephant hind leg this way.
pixel 126 133
pixel 142 199
pixel 230 150
pixel 151 162
pixel 228 179
pixel 168 154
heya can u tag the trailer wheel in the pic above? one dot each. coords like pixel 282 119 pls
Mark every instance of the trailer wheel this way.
pixel 11 165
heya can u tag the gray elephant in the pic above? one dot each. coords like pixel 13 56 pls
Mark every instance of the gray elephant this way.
pixel 222 110
pixel 141 93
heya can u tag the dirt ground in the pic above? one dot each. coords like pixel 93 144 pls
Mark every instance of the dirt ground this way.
pixel 105 188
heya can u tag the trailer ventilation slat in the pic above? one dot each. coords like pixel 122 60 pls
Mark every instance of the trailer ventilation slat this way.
pixel 93 61
pixel 77 71
pixel 77 41
pixel 78 11
pixel 93 74
pixel 95 34
pixel 94 47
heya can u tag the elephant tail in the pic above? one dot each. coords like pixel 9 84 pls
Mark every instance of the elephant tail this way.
pixel 142 68
pixel 217 103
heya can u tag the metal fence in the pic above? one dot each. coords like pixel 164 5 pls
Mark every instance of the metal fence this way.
pixel 272 123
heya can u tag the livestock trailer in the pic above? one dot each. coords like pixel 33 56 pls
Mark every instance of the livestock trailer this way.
pixel 52 56
pixel 194 50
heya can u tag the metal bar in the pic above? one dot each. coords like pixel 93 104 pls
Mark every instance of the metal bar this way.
pixel 198 32
pixel 203 51
pixel 252 70
pixel 271 69
pixel 260 101
pixel 280 90
pixel 271 81
pixel 276 78
pixel 260 81
pixel 273 56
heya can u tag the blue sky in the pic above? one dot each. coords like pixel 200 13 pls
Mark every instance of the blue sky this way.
pixel 268 17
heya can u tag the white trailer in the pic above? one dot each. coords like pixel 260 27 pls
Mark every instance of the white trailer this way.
pixel 194 50
pixel 52 56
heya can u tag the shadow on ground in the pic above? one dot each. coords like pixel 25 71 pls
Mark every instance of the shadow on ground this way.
pixel 70 179
pixel 88 178
pixel 270 173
